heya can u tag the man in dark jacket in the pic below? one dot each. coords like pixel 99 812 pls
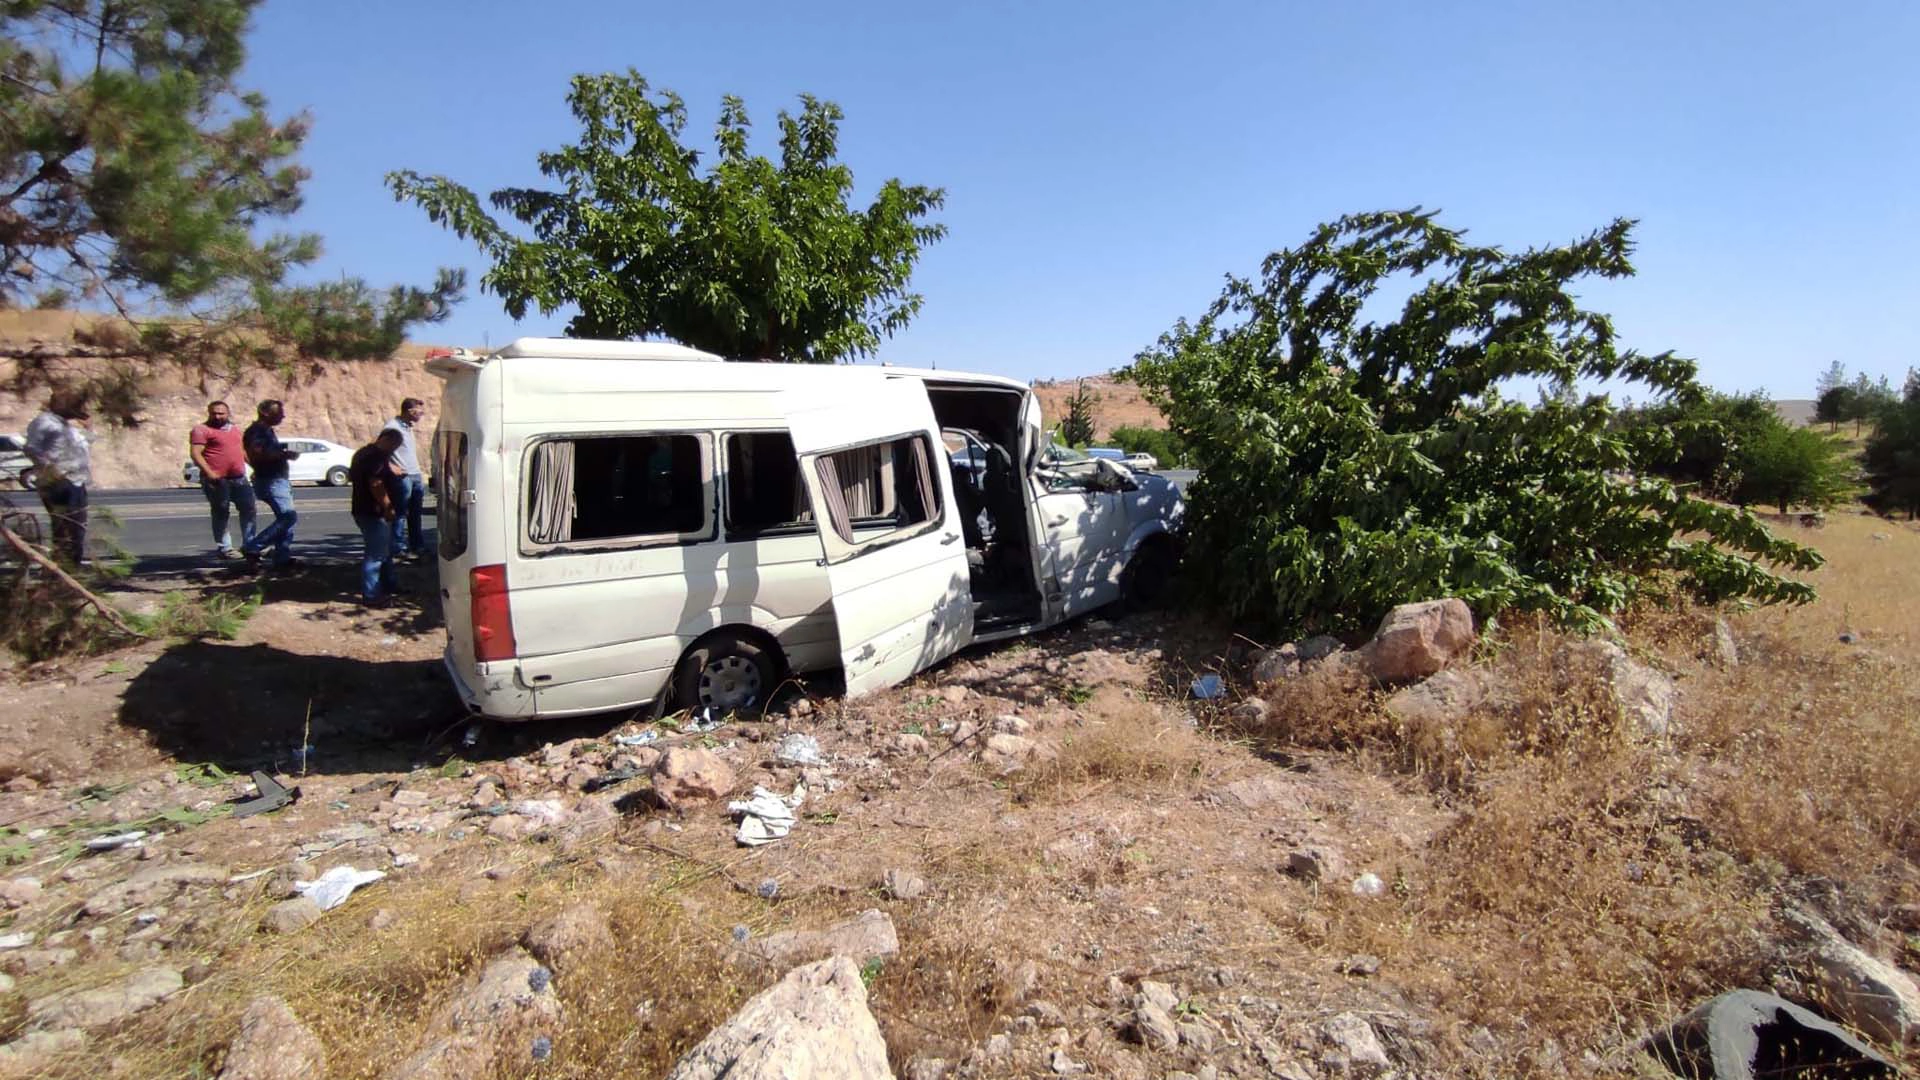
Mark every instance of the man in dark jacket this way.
pixel 374 511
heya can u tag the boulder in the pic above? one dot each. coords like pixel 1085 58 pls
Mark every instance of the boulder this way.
pixel 687 776
pixel 32 1053
pixel 1354 1046
pixel 104 1005
pixel 1275 665
pixel 903 884
pixel 1416 640
pixel 865 937
pixel 1153 1025
pixel 1441 701
pixel 1748 1035
pixel 1856 988
pixel 508 1007
pixel 1726 651
pixel 1314 864
pixel 273 1045
pixel 1643 695
pixel 812 1023
pixel 1006 753
pixel 564 939
pixel 291 916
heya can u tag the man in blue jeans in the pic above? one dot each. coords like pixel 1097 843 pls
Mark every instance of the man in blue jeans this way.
pixel 269 458
pixel 216 451
pixel 375 512
pixel 410 487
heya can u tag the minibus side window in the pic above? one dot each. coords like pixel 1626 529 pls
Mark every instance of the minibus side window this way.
pixel 877 490
pixel 449 495
pixel 764 492
pixel 586 490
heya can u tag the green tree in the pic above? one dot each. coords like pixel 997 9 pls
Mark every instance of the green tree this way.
pixel 1835 375
pixel 1696 439
pixel 1868 399
pixel 138 177
pixel 1788 466
pixel 1835 403
pixel 1077 428
pixel 1165 446
pixel 1348 465
pixel 752 258
pixel 1891 459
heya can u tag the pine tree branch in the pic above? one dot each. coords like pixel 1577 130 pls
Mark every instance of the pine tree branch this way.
pixel 31 553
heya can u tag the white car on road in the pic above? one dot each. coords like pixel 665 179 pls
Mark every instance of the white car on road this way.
pixel 320 462
pixel 1141 462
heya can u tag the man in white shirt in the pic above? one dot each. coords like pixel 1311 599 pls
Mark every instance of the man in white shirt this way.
pixel 63 469
pixel 409 486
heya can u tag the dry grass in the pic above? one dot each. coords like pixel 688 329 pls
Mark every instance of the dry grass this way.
pixel 1122 740
pixel 1594 884
pixel 369 995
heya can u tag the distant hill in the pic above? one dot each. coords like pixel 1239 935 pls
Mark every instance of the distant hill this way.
pixel 1795 410
pixel 1115 403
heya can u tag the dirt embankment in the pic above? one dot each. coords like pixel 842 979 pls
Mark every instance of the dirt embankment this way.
pixel 1115 403
pixel 342 401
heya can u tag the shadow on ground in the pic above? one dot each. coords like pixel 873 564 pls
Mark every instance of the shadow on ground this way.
pixel 248 707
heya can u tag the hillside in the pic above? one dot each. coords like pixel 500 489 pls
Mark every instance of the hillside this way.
pixel 1115 404
pixel 345 402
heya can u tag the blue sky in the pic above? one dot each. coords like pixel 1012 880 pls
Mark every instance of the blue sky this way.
pixel 1106 164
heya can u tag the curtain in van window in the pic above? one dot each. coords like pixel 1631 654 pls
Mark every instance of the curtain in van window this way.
pixel 837 508
pixel 923 478
pixel 550 499
pixel 861 481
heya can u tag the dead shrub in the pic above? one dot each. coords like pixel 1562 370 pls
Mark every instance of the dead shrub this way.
pixel 1120 740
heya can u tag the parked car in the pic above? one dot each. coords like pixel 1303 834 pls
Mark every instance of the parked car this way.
pixel 16 468
pixel 320 462
pixel 631 522
pixel 1141 462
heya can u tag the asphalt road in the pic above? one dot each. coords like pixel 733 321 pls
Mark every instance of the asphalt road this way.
pixel 168 530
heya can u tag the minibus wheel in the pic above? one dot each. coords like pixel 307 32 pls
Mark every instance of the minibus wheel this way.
pixel 727 672
pixel 1143 584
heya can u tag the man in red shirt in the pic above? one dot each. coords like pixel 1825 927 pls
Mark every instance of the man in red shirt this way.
pixel 215 446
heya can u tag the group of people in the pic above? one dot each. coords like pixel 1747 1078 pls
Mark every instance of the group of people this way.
pixel 388 488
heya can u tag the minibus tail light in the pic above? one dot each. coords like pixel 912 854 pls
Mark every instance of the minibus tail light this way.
pixel 492 616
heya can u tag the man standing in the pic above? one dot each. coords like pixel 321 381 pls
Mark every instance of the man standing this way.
pixel 375 512
pixel 63 468
pixel 269 458
pixel 410 487
pixel 215 446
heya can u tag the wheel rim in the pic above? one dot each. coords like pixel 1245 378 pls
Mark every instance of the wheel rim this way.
pixel 731 682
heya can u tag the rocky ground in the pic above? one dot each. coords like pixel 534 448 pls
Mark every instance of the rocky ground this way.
pixel 1046 858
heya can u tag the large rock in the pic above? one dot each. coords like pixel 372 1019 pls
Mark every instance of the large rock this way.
pixel 32 1053
pixel 502 1010
pixel 569 936
pixel 1354 1047
pixel 867 936
pixel 1856 988
pixel 1643 695
pixel 104 1005
pixel 1748 1035
pixel 813 1023
pixel 1441 701
pixel 1416 640
pixel 273 1045
pixel 687 776
pixel 291 916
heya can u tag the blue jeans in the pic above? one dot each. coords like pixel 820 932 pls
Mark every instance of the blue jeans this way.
pixel 409 497
pixel 277 493
pixel 376 565
pixel 225 494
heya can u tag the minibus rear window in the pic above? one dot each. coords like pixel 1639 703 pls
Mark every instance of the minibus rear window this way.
pixel 449 491
pixel 595 489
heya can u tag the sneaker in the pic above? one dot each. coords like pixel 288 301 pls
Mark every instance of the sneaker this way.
pixel 230 554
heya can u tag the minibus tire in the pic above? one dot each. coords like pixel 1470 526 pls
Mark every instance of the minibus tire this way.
pixel 1144 584
pixel 718 648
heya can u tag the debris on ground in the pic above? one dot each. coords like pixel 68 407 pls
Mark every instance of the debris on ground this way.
pixel 766 817
pixel 332 888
